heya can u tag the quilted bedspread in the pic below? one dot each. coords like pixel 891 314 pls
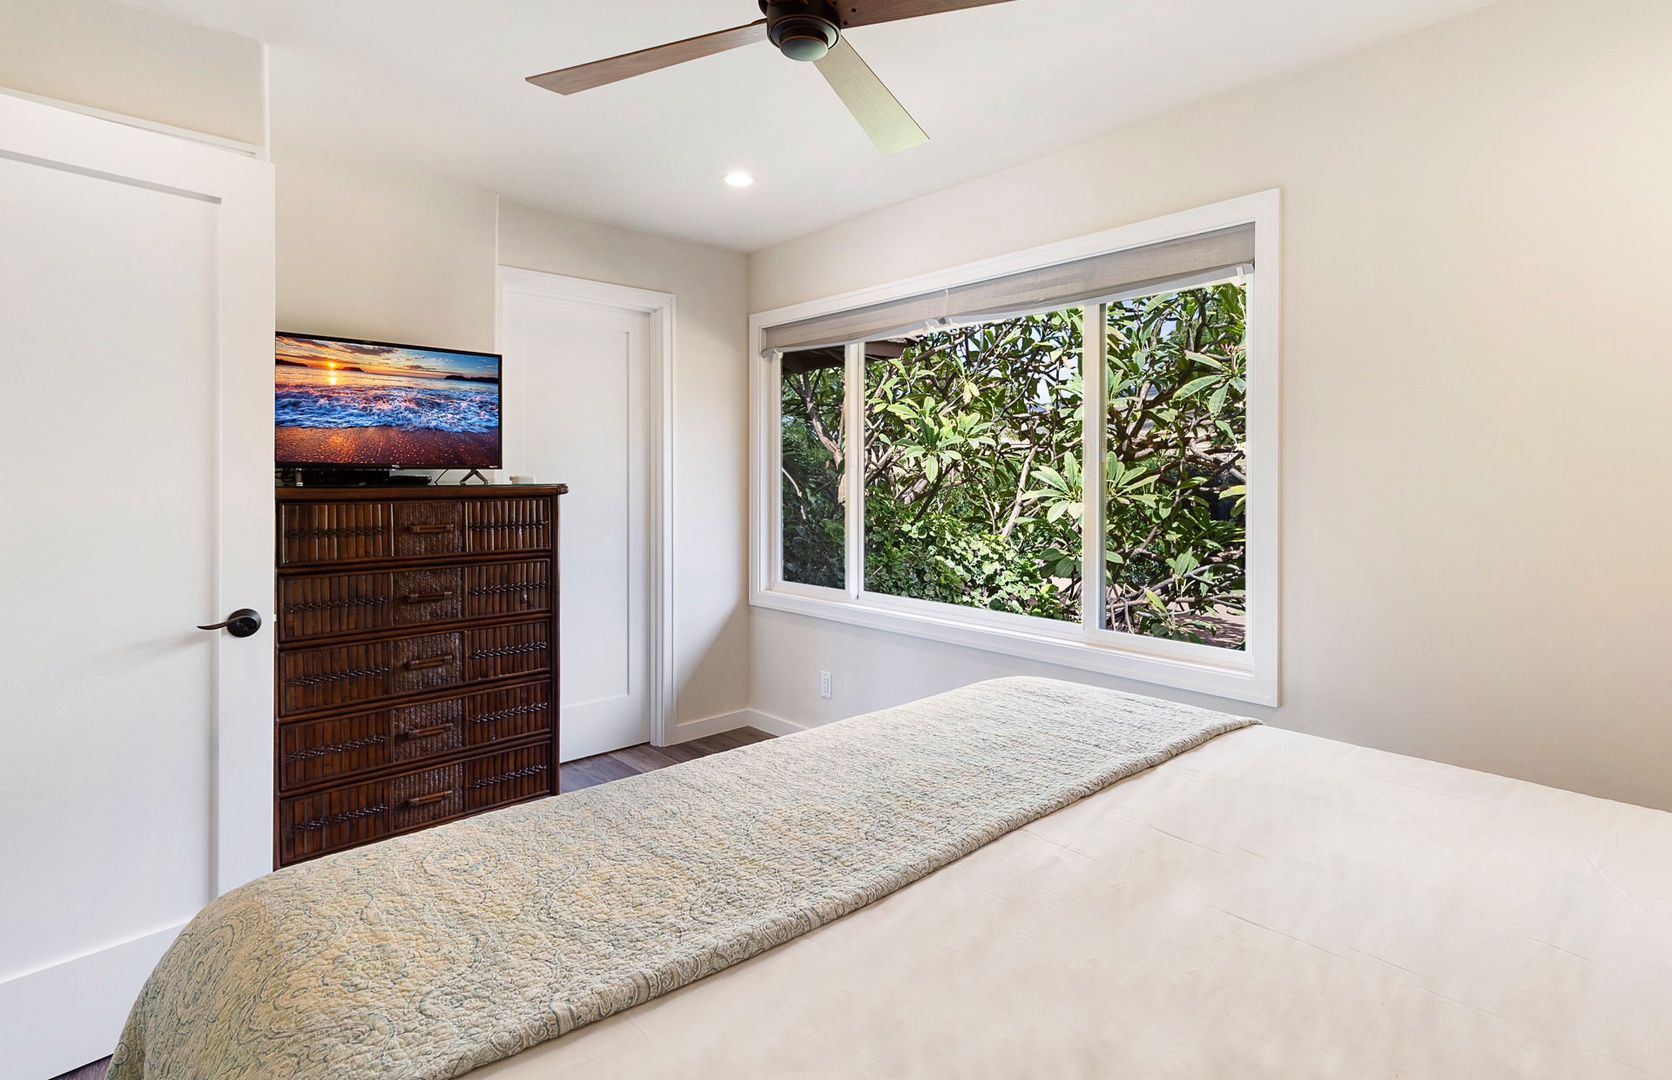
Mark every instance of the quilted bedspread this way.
pixel 431 954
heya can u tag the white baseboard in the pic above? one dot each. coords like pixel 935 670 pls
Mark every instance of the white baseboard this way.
pixel 62 1017
pixel 714 725
pixel 776 725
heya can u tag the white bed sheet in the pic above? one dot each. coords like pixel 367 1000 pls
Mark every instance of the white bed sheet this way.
pixel 1268 905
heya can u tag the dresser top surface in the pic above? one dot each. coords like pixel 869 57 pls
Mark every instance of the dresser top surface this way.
pixel 385 493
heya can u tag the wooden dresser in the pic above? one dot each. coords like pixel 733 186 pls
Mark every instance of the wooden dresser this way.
pixel 417 659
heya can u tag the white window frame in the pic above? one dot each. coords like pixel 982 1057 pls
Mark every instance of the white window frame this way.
pixel 1249 674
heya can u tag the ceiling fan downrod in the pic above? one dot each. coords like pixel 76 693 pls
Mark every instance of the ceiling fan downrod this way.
pixel 802 29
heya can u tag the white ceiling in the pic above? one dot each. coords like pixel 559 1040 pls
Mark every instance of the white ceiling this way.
pixel 437 86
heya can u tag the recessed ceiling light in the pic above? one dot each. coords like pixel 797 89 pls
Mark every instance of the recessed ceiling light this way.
pixel 740 180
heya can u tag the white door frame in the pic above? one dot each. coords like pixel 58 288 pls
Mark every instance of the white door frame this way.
pixel 659 307
pixel 63 1006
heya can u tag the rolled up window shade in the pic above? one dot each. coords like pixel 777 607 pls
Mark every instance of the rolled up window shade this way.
pixel 1184 262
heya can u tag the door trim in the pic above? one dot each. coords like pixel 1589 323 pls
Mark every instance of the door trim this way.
pixel 659 307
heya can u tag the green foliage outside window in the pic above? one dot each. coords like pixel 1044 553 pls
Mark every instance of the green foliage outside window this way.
pixel 810 407
pixel 972 458
pixel 961 431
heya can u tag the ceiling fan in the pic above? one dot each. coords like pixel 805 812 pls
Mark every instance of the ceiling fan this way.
pixel 808 30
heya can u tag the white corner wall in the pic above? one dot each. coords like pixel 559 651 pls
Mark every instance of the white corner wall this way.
pixel 123 59
pixel 1476 385
pixel 710 612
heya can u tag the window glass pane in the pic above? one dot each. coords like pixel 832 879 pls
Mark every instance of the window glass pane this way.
pixel 1176 464
pixel 814 503
pixel 972 466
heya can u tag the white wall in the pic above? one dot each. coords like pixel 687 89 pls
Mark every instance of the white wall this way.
pixel 126 60
pixel 371 252
pixel 711 614
pixel 1477 385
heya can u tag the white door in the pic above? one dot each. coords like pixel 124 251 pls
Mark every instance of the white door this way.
pixel 136 308
pixel 579 411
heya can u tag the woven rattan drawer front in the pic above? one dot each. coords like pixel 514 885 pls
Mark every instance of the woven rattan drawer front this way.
pixel 334 532
pixel 315 824
pixel 423 731
pixel 430 796
pixel 515 588
pixel 319 605
pixel 426 663
pixel 431 527
pixel 312 751
pixel 337 675
pixel 322 604
pixel 509 524
pixel 426 596
pixel 516 649
pixel 508 777
pixel 311 825
pixel 511 713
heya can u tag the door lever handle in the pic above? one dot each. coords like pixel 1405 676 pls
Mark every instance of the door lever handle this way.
pixel 241 623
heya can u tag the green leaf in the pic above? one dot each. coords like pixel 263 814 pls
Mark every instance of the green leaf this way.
pixel 1216 403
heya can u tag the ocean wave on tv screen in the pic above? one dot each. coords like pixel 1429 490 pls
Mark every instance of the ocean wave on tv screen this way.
pixel 409 404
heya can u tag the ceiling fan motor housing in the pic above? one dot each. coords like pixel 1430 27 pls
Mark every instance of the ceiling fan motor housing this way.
pixel 802 29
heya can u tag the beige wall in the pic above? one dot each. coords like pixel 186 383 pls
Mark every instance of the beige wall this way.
pixel 711 615
pixel 371 252
pixel 1477 384
pixel 126 60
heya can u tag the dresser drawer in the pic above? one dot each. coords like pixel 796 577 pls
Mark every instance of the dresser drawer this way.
pixel 509 524
pixel 318 532
pixel 494 652
pixel 333 676
pixel 320 605
pixel 319 751
pixel 508 588
pixel 311 825
pixel 336 676
pixel 429 527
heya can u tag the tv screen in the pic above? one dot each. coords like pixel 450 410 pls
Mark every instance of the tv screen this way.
pixel 345 402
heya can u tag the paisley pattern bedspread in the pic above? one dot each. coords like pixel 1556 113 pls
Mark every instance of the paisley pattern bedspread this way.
pixel 432 954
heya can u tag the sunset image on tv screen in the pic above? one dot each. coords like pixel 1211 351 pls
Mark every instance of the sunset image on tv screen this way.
pixel 349 403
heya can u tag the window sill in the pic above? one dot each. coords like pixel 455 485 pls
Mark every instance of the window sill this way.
pixel 1199 669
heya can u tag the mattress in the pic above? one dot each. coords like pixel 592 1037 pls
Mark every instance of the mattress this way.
pixel 1269 904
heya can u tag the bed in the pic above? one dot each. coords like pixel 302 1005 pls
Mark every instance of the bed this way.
pixel 1242 902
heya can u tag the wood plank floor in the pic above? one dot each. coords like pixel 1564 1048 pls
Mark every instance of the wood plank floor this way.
pixel 582 773
pixel 585 772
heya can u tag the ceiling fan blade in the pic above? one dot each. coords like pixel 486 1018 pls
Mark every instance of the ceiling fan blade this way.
pixel 572 80
pixel 867 12
pixel 878 111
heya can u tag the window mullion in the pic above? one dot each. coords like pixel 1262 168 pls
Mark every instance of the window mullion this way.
pixel 1093 366
pixel 853 466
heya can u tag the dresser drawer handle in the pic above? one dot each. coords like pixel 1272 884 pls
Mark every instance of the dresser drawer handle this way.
pixel 425 800
pixel 427 732
pixel 427 530
pixel 427 597
pixel 427 662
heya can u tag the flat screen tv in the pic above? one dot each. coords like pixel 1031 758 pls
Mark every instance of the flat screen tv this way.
pixel 345 403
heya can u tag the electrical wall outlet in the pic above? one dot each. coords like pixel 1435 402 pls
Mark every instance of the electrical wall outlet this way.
pixel 825 689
